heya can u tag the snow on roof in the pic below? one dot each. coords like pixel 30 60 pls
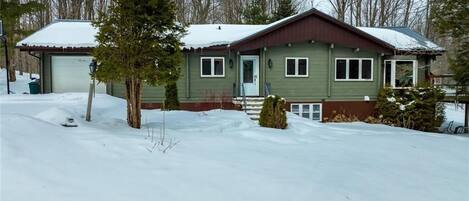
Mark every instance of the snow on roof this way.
pixel 80 34
pixel 206 35
pixel 63 34
pixel 402 38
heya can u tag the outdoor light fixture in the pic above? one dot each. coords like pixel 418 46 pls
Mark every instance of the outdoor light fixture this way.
pixel 92 66
pixel 231 63
pixel 289 44
pixel 270 64
pixel 357 50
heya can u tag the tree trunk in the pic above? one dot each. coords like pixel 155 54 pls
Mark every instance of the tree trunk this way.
pixel 133 97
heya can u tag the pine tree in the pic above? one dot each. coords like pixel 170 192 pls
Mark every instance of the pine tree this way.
pixel 256 13
pixel 10 13
pixel 285 8
pixel 138 43
pixel 450 17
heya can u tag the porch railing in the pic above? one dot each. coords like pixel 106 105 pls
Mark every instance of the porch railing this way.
pixel 243 93
pixel 267 89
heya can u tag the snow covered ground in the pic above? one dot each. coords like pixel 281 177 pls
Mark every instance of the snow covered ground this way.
pixel 221 155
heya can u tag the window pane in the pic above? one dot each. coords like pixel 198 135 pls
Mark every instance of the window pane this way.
pixel 305 115
pixel 316 116
pixel 366 69
pixel 316 108
pixel 206 67
pixel 290 66
pixel 353 72
pixel 387 79
pixel 248 66
pixel 295 108
pixel 340 70
pixel 302 67
pixel 306 108
pixel 218 66
pixel 404 73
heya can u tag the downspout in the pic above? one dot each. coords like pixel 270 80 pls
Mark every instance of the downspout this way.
pixel 329 73
pixel 188 77
pixel 40 70
pixel 264 77
pixel 380 71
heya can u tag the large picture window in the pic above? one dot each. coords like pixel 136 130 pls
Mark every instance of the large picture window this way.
pixel 351 69
pixel 296 67
pixel 212 67
pixel 400 73
pixel 310 111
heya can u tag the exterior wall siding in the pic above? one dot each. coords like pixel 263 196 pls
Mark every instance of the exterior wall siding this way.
pixel 321 71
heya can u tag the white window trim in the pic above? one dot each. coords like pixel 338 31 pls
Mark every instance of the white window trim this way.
pixel 300 110
pixel 212 67
pixel 296 66
pixel 393 72
pixel 347 69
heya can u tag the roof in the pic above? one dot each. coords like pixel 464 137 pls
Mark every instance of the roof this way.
pixel 403 38
pixel 78 34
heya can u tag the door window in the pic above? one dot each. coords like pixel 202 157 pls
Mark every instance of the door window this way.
pixel 248 71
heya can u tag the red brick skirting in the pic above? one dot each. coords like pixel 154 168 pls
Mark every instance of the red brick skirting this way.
pixel 202 106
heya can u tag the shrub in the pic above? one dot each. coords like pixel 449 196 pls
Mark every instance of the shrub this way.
pixel 342 117
pixel 171 93
pixel 273 113
pixel 416 108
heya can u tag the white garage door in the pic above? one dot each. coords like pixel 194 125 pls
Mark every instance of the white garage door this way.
pixel 72 74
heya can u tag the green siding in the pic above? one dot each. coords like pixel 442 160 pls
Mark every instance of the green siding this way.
pixel 319 85
pixel 315 86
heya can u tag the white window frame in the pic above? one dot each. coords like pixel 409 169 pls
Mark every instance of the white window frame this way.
pixel 212 67
pixel 297 66
pixel 347 69
pixel 300 110
pixel 393 72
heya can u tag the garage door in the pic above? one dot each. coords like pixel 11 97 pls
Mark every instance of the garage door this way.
pixel 71 74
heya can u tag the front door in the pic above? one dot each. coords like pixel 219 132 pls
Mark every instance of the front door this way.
pixel 249 75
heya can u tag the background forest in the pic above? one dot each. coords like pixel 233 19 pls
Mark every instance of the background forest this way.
pixel 22 17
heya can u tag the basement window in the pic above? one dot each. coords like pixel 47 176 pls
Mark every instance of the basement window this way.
pixel 354 69
pixel 311 111
pixel 212 67
pixel 400 73
pixel 296 67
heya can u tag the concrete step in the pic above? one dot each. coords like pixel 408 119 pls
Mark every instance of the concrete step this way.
pixel 253 112
pixel 248 98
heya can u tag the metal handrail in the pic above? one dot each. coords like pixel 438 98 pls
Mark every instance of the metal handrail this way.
pixel 243 93
pixel 267 89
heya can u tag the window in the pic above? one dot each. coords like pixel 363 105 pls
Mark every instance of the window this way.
pixel 351 69
pixel 306 110
pixel 296 67
pixel 212 67
pixel 400 73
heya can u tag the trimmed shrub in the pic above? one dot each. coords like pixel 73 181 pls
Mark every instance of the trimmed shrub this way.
pixel 171 101
pixel 415 108
pixel 273 113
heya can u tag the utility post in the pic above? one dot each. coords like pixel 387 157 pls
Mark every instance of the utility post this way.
pixel 3 37
pixel 93 65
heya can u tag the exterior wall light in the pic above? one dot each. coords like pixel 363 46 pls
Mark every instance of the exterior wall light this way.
pixel 270 63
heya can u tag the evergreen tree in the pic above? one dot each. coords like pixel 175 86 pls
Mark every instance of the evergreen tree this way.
pixel 450 17
pixel 10 14
pixel 273 114
pixel 256 13
pixel 171 93
pixel 138 43
pixel 285 8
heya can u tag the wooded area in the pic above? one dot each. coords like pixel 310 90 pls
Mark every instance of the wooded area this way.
pixel 412 13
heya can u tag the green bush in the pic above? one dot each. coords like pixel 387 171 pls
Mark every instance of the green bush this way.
pixel 273 113
pixel 415 108
pixel 171 93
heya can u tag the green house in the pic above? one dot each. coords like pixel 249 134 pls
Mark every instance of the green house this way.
pixel 320 65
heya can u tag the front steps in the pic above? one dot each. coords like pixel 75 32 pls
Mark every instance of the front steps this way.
pixel 253 106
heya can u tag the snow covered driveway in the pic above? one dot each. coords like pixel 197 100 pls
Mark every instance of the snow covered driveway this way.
pixel 221 155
